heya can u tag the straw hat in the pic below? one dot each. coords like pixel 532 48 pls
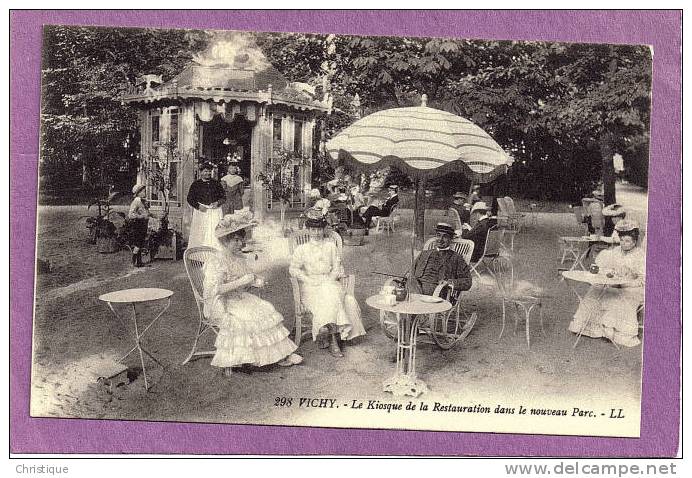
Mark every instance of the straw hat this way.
pixel 445 228
pixel 598 194
pixel 393 187
pixel 459 195
pixel 342 197
pixel 479 206
pixel 315 219
pixel 614 210
pixel 626 225
pixel 137 188
pixel 231 223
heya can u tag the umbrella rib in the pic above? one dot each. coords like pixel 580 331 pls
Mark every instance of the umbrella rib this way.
pixel 422 130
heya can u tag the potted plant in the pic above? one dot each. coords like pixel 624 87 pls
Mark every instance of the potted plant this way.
pixel 164 242
pixel 278 179
pixel 102 229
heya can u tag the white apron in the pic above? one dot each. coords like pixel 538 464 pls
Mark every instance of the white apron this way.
pixel 202 228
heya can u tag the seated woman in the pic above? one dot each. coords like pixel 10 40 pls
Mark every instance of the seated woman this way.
pixel 612 313
pixel 251 331
pixel 317 265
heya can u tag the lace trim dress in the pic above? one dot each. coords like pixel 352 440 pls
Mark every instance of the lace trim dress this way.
pixel 251 331
pixel 613 311
pixel 326 299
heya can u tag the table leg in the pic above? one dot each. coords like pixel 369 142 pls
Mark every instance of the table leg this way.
pixel 405 381
pixel 138 339
pixel 590 315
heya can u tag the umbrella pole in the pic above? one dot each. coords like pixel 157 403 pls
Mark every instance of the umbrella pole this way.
pixel 413 232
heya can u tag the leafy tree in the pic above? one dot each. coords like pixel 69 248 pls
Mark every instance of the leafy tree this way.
pixel 88 137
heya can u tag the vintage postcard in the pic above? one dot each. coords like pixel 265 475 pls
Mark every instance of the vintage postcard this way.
pixel 341 231
pixel 369 232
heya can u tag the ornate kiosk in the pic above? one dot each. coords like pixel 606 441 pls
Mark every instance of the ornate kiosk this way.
pixel 228 103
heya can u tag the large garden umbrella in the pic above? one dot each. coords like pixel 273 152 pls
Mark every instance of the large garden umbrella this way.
pixel 424 142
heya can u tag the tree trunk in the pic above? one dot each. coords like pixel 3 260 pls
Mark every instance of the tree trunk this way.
pixel 606 143
pixel 419 213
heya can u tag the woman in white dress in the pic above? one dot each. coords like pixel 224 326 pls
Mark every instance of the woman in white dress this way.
pixel 251 331
pixel 612 313
pixel 317 265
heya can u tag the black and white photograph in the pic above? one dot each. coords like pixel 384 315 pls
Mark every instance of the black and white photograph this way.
pixel 324 230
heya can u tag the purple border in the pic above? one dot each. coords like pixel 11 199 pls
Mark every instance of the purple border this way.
pixel 660 402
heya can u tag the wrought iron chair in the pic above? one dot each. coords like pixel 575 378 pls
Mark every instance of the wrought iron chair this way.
pixel 302 327
pixel 512 294
pixel 448 328
pixel 455 218
pixel 194 260
pixel 387 222
pixel 491 250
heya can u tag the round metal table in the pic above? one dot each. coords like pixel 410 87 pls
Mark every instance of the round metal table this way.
pixel 408 314
pixel 133 297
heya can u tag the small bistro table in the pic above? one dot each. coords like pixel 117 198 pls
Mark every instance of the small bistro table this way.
pixel 601 281
pixel 578 253
pixel 408 314
pixel 133 297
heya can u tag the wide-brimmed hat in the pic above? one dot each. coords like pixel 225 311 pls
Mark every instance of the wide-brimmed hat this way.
pixel 315 218
pixel 445 228
pixel 393 187
pixel 479 206
pixel 459 195
pixel 206 165
pixel 626 225
pixel 231 223
pixel 614 210
pixel 341 197
pixel 137 188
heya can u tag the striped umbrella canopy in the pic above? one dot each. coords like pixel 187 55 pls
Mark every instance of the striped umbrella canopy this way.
pixel 424 142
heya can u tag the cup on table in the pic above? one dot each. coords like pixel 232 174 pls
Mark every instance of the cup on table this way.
pixel 593 269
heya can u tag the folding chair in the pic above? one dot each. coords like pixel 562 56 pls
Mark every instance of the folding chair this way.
pixel 300 310
pixel 491 250
pixel 194 260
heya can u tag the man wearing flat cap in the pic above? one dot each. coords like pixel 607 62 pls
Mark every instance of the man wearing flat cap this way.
pixel 440 265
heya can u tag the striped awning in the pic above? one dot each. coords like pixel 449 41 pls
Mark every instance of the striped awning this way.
pixel 423 142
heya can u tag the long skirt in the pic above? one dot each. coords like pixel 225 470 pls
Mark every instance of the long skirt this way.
pixel 202 228
pixel 330 304
pixel 611 313
pixel 251 331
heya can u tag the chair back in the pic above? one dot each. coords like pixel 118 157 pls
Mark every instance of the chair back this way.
pixel 194 259
pixel 597 218
pixel 503 271
pixel 509 203
pixel 502 207
pixel 493 242
pixel 303 237
pixel 456 219
pixel 463 247
pixel 579 214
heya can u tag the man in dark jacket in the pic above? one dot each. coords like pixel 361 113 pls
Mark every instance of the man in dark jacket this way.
pixel 479 232
pixel 460 205
pixel 440 265
pixel 386 208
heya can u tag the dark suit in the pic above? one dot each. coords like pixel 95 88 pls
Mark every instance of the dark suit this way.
pixel 383 211
pixel 453 269
pixel 478 235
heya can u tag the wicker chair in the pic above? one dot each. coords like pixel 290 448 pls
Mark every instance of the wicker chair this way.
pixel 448 328
pixel 194 259
pixel 302 327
